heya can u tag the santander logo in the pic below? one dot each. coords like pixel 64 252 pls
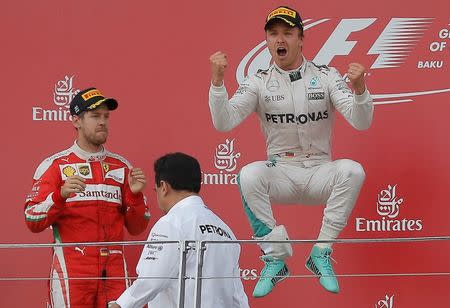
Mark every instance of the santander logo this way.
pixel 390 50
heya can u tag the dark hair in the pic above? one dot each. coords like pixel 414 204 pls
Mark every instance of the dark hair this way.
pixel 180 170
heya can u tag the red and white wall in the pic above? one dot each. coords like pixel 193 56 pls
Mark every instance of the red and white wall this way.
pixel 153 56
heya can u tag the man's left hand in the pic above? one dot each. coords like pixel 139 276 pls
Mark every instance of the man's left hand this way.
pixel 356 75
pixel 136 180
pixel 113 305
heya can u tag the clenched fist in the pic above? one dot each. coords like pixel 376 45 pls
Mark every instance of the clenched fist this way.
pixel 356 75
pixel 219 64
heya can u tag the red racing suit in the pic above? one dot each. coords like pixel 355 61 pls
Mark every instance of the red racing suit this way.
pixel 98 214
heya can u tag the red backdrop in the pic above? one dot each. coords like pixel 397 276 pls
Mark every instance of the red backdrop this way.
pixel 153 57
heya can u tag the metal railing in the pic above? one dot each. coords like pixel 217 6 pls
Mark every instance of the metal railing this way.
pixel 200 247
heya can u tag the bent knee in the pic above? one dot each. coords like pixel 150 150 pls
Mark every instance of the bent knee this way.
pixel 351 169
pixel 252 174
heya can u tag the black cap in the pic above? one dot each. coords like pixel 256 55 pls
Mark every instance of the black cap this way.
pixel 286 14
pixel 90 99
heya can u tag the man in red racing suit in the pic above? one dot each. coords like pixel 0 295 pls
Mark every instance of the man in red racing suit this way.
pixel 87 196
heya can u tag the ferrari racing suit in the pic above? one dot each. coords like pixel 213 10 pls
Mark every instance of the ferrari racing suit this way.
pixel 97 214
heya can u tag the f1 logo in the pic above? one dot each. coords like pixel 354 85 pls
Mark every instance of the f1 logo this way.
pixel 392 46
pixel 337 44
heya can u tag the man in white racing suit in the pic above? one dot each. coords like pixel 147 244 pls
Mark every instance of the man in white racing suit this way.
pixel 295 101
pixel 178 179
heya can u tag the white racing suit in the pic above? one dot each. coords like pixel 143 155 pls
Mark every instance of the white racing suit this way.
pixel 296 110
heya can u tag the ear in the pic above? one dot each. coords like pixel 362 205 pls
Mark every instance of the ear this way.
pixel 76 121
pixel 165 188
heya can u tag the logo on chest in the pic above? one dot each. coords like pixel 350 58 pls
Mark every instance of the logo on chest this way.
pixel 117 175
pixel 316 96
pixel 84 170
pixel 273 98
pixel 273 85
pixel 315 85
pixel 81 169
pixel 98 192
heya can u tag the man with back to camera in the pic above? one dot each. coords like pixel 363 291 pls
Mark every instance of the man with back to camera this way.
pixel 178 182
pixel 87 194
pixel 295 100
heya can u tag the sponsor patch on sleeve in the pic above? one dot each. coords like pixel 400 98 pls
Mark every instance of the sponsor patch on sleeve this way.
pixel 117 175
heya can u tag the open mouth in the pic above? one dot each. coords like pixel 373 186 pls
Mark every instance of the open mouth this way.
pixel 281 51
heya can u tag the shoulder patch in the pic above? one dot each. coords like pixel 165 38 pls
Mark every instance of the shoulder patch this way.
pixel 320 67
pixel 262 72
pixel 324 69
pixel 46 163
pixel 117 156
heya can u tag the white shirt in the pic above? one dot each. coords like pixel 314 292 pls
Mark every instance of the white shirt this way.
pixel 189 219
pixel 296 108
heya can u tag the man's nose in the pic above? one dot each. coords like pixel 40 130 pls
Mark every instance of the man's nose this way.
pixel 103 121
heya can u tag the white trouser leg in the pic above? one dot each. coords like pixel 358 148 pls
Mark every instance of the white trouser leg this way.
pixel 260 183
pixel 337 184
pixel 277 250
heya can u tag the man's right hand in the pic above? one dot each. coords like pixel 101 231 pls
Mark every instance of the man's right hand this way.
pixel 219 64
pixel 74 184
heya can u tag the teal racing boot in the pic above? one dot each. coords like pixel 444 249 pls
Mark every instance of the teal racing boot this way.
pixel 319 263
pixel 274 271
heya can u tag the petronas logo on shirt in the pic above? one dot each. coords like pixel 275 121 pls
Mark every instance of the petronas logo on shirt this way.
pixel 105 167
pixel 69 171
